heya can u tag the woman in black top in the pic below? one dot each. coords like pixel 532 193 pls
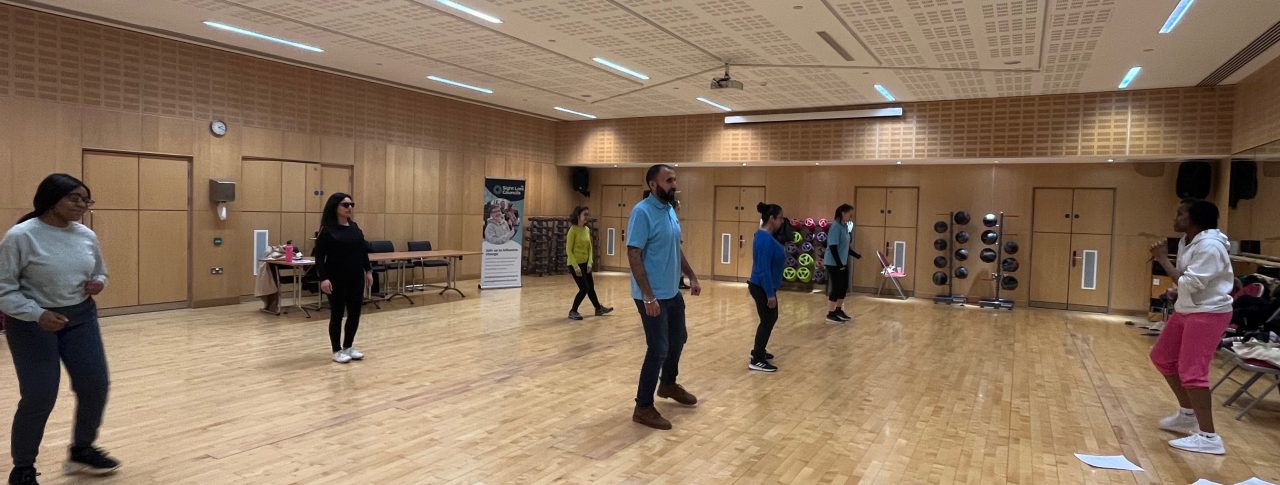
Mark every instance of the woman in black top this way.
pixel 342 264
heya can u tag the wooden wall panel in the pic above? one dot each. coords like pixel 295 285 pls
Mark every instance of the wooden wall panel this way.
pixel 371 176
pixel 427 184
pixel 164 184
pixel 43 138
pixel 1257 109
pixel 111 130
pixel 261 142
pixel 1161 122
pixel 400 185
pixel 170 136
pixel 336 150
pixel 116 177
pixel 260 188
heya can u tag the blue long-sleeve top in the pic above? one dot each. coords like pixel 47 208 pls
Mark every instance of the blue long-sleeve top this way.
pixel 767 261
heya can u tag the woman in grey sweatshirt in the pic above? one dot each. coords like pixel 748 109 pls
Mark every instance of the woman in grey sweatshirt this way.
pixel 50 268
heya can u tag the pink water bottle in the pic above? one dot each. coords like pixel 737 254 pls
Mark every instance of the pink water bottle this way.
pixel 288 251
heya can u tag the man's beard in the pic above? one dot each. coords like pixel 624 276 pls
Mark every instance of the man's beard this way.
pixel 665 196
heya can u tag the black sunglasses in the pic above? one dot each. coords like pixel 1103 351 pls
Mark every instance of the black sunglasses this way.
pixel 348 204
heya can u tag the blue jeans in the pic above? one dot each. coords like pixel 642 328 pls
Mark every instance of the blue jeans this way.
pixel 665 335
pixel 37 358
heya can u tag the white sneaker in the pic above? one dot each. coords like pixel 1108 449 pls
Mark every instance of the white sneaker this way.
pixel 1200 443
pixel 1180 423
pixel 354 354
pixel 341 357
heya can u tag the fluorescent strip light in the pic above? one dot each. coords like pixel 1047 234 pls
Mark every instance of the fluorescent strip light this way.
pixel 470 11
pixel 885 92
pixel 713 103
pixel 1128 77
pixel 821 115
pixel 572 112
pixel 1176 16
pixel 251 33
pixel 458 84
pixel 621 69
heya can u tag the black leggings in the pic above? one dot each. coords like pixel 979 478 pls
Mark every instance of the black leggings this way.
pixel 768 317
pixel 586 287
pixel 837 283
pixel 348 298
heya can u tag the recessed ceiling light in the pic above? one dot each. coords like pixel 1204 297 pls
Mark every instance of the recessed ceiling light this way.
pixel 1148 50
pixel 1111 160
pixel 899 162
pixel 458 84
pixel 744 164
pixel 885 92
pixel 713 103
pixel 615 165
pixel 1128 77
pixel 817 163
pixel 621 69
pixel 1012 63
pixel 997 161
pixel 798 7
pixel 675 165
pixel 470 11
pixel 1176 16
pixel 572 112
pixel 253 34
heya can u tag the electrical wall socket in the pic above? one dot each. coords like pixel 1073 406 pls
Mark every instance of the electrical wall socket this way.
pixel 215 270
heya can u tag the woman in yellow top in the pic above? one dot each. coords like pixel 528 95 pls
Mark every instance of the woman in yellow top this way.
pixel 577 246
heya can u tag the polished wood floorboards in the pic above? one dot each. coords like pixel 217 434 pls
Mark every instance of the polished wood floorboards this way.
pixel 501 388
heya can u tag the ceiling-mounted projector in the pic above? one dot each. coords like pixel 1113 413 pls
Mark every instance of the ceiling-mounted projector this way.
pixel 726 82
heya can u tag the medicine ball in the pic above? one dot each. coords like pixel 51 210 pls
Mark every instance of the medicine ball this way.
pixel 962 272
pixel 989 220
pixel 1009 265
pixel 987 255
pixel 1009 283
pixel 940 227
pixel 1011 247
pixel 939 278
pixel 940 262
pixel 989 237
pixel 940 244
pixel 962 254
pixel 962 237
pixel 961 218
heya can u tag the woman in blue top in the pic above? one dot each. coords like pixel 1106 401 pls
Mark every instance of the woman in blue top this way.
pixel 837 262
pixel 767 260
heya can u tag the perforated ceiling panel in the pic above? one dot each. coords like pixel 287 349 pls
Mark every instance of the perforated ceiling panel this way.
pixel 789 53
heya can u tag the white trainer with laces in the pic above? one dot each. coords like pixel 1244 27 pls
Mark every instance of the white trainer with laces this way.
pixel 1199 443
pixel 1180 423
pixel 341 357
pixel 354 354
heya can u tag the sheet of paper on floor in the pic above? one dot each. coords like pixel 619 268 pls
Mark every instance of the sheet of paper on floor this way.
pixel 1116 462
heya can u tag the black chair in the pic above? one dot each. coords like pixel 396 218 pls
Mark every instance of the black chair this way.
pixel 415 246
pixel 380 269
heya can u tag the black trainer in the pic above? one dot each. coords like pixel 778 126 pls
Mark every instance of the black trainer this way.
pixel 843 316
pixel 768 356
pixel 762 366
pixel 574 315
pixel 90 461
pixel 604 310
pixel 23 476
pixel 833 317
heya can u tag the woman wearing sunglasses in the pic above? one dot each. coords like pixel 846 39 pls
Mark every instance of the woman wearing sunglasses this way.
pixel 342 264
pixel 51 266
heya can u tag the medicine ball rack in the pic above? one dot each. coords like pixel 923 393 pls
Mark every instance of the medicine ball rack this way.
pixel 950 297
pixel 999 275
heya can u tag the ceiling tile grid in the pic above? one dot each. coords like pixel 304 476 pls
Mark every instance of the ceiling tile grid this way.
pixel 540 57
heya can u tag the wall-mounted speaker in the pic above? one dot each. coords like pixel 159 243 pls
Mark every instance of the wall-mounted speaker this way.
pixel 580 180
pixel 1195 179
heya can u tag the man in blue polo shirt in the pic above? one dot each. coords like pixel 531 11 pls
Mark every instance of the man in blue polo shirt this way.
pixel 653 251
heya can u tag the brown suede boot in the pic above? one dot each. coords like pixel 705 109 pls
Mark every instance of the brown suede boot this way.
pixel 650 417
pixel 677 392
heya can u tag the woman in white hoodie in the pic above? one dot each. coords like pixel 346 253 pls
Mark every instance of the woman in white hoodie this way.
pixel 1201 314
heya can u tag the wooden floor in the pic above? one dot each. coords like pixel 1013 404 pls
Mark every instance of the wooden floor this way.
pixel 500 388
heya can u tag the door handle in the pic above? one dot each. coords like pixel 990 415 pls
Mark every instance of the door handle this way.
pixel 882 211
pixel 1067 215
pixel 1074 258
pixel 1077 216
pixel 740 241
pixel 890 211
